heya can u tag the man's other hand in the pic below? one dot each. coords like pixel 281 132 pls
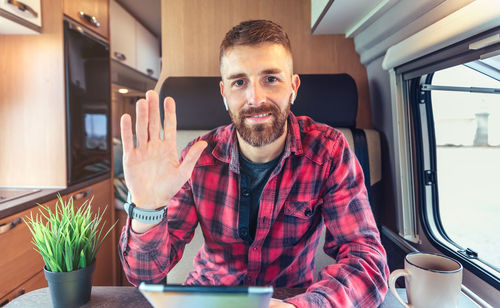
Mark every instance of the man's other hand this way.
pixel 276 303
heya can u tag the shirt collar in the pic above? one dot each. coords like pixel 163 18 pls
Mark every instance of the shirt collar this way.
pixel 226 149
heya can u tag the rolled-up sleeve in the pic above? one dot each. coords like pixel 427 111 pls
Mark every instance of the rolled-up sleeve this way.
pixel 151 255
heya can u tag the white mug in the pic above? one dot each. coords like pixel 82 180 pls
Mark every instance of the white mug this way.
pixel 431 280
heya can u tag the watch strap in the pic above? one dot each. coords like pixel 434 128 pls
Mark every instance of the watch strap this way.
pixel 144 215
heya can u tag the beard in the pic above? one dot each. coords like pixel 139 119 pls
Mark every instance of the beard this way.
pixel 259 135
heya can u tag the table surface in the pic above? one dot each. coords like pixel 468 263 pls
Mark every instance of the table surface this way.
pixel 131 297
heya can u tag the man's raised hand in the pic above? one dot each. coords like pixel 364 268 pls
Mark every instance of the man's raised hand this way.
pixel 152 170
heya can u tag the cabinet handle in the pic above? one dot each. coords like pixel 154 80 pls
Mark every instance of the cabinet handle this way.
pixel 150 71
pixel 90 19
pixel 4 228
pixel 23 7
pixel 120 56
pixel 82 194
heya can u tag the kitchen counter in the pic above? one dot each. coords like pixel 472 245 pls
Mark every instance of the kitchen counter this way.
pixel 45 194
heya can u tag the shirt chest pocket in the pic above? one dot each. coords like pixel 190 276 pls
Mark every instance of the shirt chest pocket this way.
pixel 300 220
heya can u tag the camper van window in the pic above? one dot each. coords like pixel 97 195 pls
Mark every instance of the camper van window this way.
pixel 456 112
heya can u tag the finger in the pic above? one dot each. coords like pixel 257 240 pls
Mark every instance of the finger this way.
pixel 141 123
pixel 170 121
pixel 191 158
pixel 126 132
pixel 154 115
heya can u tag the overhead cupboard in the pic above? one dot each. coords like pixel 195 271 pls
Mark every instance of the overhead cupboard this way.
pixel 20 17
pixel 93 14
pixel 132 44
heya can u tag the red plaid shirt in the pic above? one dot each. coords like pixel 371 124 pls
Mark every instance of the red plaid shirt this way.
pixel 317 181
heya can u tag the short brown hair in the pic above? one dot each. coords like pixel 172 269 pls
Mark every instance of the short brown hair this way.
pixel 253 32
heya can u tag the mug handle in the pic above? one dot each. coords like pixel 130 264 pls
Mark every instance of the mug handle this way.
pixel 392 285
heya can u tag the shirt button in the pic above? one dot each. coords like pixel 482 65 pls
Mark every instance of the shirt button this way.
pixel 125 253
pixel 308 213
pixel 245 193
pixel 255 249
pixel 243 232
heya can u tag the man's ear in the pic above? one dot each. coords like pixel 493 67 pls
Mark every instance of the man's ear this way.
pixel 221 86
pixel 295 85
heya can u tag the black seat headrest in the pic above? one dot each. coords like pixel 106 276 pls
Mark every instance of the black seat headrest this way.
pixel 198 102
pixel 327 98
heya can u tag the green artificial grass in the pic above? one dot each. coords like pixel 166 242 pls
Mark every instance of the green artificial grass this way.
pixel 69 240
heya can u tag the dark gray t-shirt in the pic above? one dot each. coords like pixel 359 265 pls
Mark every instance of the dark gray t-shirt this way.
pixel 254 177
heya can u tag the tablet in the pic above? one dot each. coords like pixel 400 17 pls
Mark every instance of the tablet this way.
pixel 170 296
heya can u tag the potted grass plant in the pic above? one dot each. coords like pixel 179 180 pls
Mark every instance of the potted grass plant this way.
pixel 68 240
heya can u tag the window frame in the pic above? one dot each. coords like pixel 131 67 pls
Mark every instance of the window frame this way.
pixel 424 157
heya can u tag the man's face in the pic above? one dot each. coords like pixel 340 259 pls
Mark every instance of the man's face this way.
pixel 257 82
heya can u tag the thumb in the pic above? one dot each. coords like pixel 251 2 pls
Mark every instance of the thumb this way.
pixel 191 158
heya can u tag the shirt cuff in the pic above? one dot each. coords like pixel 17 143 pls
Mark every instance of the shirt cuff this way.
pixel 147 241
pixel 308 299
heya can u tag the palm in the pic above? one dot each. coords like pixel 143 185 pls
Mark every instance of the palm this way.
pixel 152 170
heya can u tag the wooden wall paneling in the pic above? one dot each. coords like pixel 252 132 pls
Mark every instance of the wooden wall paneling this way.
pixel 32 107
pixel 192 31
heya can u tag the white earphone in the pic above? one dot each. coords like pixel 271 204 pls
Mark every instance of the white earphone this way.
pixel 293 96
pixel 225 103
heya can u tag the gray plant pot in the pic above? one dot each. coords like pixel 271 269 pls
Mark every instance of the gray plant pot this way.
pixel 70 289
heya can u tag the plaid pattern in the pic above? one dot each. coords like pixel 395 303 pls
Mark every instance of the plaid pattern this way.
pixel 317 181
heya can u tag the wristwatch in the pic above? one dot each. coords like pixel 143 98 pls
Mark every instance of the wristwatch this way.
pixel 142 215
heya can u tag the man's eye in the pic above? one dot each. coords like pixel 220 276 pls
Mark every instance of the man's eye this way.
pixel 239 83
pixel 271 79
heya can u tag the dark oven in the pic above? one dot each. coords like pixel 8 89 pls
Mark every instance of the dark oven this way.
pixel 88 101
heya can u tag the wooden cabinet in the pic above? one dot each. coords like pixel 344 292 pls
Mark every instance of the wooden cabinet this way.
pixel 21 265
pixel 105 267
pixel 148 52
pixel 34 283
pixel 91 13
pixel 19 261
pixel 122 33
pixel 132 44
pixel 20 17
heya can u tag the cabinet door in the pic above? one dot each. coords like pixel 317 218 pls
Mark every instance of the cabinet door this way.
pixel 19 260
pixel 28 11
pixel 122 32
pixel 104 271
pixel 95 11
pixel 34 283
pixel 148 52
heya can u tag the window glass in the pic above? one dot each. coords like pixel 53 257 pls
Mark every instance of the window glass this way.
pixel 467 134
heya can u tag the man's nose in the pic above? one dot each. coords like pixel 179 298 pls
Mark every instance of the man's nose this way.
pixel 255 94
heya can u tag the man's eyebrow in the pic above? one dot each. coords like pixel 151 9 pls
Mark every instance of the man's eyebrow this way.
pixel 237 76
pixel 271 71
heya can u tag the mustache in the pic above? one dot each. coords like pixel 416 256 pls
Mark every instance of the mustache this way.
pixel 256 110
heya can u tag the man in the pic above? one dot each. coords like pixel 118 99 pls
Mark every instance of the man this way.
pixel 260 188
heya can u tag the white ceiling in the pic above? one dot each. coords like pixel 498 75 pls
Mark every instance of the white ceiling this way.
pixel 148 12
pixel 351 16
